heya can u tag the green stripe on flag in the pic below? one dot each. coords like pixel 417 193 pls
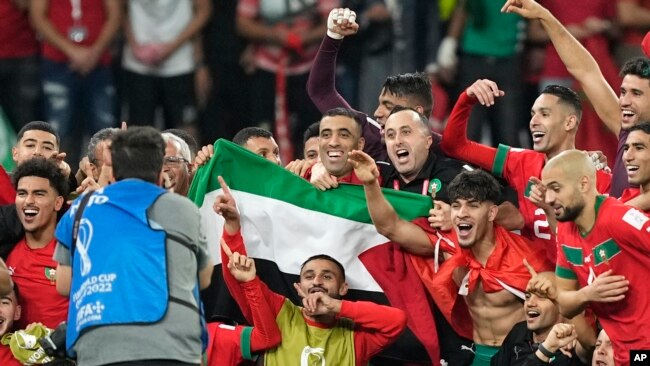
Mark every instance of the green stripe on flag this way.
pixel 7 141
pixel 248 172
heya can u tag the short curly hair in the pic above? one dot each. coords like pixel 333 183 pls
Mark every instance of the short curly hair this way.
pixel 42 168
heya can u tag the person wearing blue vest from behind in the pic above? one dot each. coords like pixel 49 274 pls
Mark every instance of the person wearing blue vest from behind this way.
pixel 134 272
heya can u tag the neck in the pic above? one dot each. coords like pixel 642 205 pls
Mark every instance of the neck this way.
pixel 484 246
pixel 40 238
pixel 644 188
pixel 540 335
pixel 587 218
pixel 568 144
pixel 408 178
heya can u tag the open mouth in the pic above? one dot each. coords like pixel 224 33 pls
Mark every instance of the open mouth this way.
pixel 627 115
pixel 335 155
pixel 464 229
pixel 402 154
pixel 537 136
pixel 532 314
pixel 314 290
pixel 632 168
pixel 30 212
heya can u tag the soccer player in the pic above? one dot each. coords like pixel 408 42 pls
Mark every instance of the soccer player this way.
pixel 603 256
pixel 555 116
pixel 636 157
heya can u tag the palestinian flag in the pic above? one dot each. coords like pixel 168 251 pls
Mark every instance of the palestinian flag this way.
pixel 285 220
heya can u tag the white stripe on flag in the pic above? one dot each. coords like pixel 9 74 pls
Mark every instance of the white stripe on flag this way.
pixel 287 235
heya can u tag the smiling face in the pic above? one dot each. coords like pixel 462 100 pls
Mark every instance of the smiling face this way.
pixel 34 143
pixel 407 143
pixel 634 100
pixel 541 313
pixel 548 124
pixel 322 275
pixel 9 312
pixel 636 157
pixel 338 136
pixel 37 203
pixel 472 220
pixel 176 168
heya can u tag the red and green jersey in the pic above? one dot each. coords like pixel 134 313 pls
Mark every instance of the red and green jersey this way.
pixel 34 271
pixel 229 345
pixel 619 241
pixel 517 166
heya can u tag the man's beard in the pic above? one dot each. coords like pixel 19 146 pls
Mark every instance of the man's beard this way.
pixel 571 212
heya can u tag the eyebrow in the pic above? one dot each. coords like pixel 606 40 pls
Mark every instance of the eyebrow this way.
pixel 543 109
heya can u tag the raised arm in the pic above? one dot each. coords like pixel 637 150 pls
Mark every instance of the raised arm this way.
pixel 454 138
pixel 408 235
pixel 578 61
pixel 265 334
pixel 321 85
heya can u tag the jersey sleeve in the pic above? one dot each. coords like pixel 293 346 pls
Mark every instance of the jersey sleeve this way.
pixel 265 333
pixel 375 326
pixel 562 267
pixel 236 244
pixel 516 166
pixel 633 230
pixel 454 138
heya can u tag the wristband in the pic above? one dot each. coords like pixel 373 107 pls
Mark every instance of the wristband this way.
pixel 545 351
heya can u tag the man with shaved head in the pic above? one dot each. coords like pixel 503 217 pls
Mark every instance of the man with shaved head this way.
pixel 603 253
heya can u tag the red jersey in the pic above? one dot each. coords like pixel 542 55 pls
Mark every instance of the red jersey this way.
pixel 226 345
pixel 93 17
pixel 618 241
pixel 6 357
pixel 17 38
pixel 517 166
pixel 34 270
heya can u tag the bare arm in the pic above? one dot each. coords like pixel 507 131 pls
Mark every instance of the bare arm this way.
pixel 42 25
pixel 114 13
pixel 578 61
pixel 63 279
pixel 205 275
pixel 408 235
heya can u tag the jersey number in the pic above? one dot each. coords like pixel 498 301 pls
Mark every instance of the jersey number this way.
pixel 541 225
